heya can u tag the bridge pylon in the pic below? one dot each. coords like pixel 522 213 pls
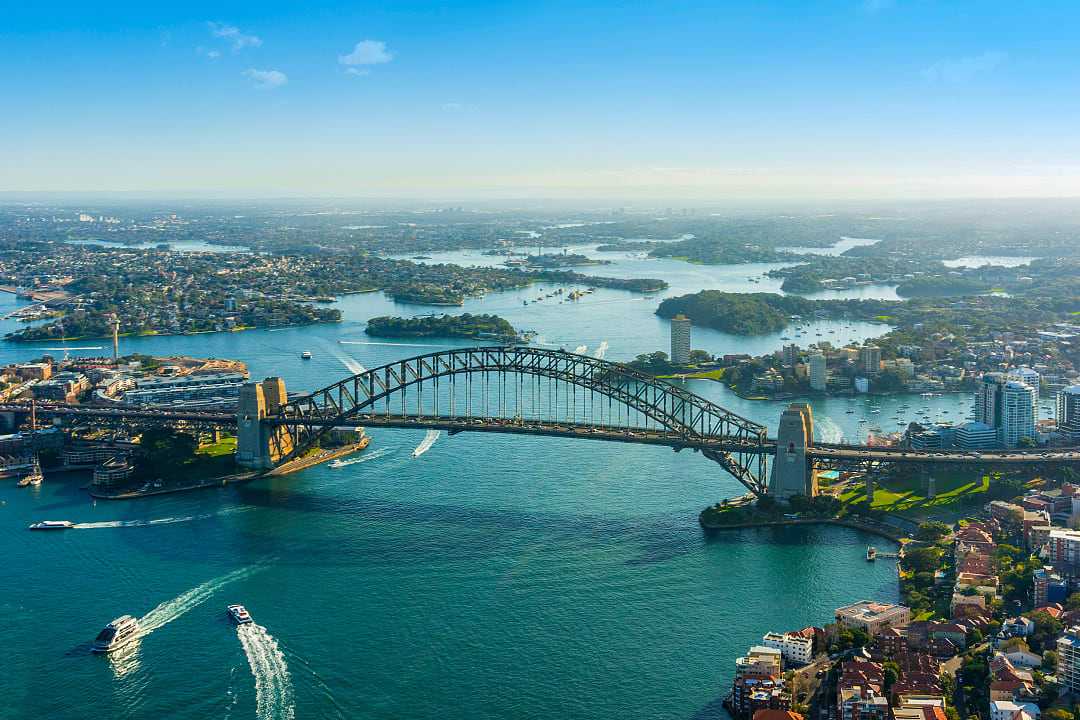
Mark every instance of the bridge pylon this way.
pixel 793 472
pixel 261 445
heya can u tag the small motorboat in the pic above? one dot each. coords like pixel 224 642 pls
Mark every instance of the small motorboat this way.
pixel 871 553
pixel 239 614
pixel 306 355
pixel 52 525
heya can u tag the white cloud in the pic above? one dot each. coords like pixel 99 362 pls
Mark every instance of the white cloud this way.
pixel 232 33
pixel 358 72
pixel 367 52
pixel 960 70
pixel 453 107
pixel 207 53
pixel 267 79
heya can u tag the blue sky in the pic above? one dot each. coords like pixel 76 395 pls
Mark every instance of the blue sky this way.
pixel 839 98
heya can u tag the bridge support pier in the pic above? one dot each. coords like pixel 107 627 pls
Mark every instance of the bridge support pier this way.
pixel 793 473
pixel 259 445
pixel 869 487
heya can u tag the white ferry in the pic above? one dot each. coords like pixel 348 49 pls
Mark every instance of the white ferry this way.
pixel 121 632
pixel 52 525
pixel 239 614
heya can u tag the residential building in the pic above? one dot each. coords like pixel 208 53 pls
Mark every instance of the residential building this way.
pixel 873 617
pixel 794 649
pixel 1009 710
pixel 680 339
pixel 759 662
pixel 1068 669
pixel 1063 547
pixel 819 373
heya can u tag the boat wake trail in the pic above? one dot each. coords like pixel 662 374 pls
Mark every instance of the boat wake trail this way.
pixel 354 367
pixel 273 686
pixel 151 523
pixel 601 351
pixel 580 349
pixel 373 455
pixel 170 610
pixel 426 443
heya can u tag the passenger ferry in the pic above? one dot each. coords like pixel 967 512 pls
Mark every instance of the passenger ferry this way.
pixel 121 632
pixel 239 614
pixel 52 525
pixel 306 355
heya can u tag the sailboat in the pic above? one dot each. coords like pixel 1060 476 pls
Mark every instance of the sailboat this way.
pixel 35 476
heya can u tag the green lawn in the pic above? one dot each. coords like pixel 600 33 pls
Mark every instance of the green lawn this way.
pixel 908 497
pixel 715 374
pixel 224 446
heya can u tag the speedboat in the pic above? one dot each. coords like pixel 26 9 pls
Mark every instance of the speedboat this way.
pixel 52 525
pixel 121 632
pixel 239 614
pixel 306 355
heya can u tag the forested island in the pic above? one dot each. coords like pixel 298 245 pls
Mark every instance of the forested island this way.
pixel 463 326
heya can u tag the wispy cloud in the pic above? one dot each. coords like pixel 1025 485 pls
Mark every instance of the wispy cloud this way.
pixel 358 72
pixel 961 70
pixel 232 33
pixel 452 107
pixel 267 79
pixel 367 52
pixel 207 53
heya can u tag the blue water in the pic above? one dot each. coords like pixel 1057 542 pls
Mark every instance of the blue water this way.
pixel 492 577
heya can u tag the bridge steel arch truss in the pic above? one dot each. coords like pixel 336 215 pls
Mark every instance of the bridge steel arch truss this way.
pixel 534 391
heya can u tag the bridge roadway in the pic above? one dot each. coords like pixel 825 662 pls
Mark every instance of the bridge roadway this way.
pixel 661 437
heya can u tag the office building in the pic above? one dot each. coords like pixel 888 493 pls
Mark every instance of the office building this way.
pixel 976 436
pixel 1068 412
pixel 870 359
pixel 819 373
pixel 680 339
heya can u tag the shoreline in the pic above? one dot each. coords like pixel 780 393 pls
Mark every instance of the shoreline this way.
pixel 242 477
pixel 886 533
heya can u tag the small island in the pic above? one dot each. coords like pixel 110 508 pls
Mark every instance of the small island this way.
pixel 463 326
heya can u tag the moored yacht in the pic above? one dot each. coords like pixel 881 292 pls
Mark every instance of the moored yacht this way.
pixel 239 614
pixel 121 632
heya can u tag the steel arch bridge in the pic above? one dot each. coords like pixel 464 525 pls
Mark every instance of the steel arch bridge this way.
pixel 526 390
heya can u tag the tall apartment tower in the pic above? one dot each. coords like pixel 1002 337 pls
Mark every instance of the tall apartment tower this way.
pixel 1009 406
pixel 1068 412
pixel 819 374
pixel 1019 403
pixel 870 359
pixel 790 355
pixel 680 339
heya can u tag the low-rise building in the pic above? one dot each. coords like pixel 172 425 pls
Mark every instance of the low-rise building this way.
pixel 872 617
pixel 794 649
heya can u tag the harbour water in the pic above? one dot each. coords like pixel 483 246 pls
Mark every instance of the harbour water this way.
pixel 490 577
